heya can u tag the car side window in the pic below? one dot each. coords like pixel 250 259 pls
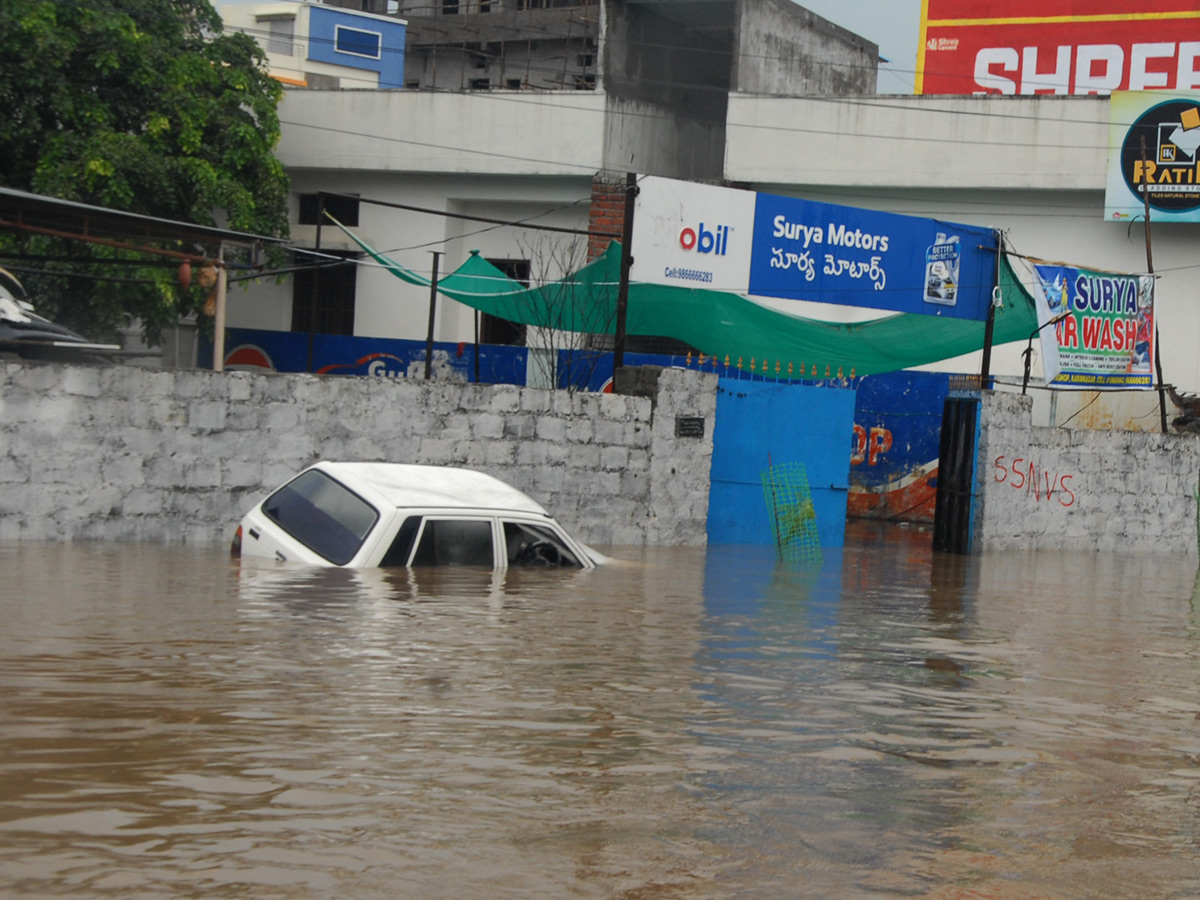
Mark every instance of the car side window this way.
pixel 527 544
pixel 401 549
pixel 455 542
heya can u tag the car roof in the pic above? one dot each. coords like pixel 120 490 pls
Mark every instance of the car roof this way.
pixel 403 484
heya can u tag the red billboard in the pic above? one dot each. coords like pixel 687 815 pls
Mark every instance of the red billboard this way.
pixel 1058 46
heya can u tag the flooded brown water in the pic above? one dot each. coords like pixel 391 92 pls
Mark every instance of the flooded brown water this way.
pixel 695 724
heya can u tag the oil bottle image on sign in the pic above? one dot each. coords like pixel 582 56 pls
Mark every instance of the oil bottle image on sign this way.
pixel 941 271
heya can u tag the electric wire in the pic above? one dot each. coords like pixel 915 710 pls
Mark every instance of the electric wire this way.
pixel 852 101
pixel 263 36
pixel 812 190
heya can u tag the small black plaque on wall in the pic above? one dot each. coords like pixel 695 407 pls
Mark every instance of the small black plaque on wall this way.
pixel 689 426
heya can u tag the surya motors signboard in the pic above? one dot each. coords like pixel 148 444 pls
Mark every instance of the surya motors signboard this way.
pixel 700 236
pixel 1058 46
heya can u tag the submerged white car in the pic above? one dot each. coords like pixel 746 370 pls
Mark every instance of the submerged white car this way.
pixel 393 514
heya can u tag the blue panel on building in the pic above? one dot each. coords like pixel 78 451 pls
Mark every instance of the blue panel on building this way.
pixel 343 38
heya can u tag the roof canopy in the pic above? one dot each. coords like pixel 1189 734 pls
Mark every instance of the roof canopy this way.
pixel 721 324
pixel 22 211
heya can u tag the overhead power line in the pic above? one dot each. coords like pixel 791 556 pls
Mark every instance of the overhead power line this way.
pixel 470 218
pixel 591 167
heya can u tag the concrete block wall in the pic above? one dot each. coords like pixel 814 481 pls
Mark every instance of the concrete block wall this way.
pixel 1063 488
pixel 134 454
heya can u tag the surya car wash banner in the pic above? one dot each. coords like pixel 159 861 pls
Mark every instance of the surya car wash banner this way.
pixel 1154 152
pixel 691 235
pixel 1104 334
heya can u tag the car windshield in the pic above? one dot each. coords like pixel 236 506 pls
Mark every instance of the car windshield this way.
pixel 323 515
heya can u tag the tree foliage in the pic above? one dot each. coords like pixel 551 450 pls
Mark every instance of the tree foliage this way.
pixel 143 106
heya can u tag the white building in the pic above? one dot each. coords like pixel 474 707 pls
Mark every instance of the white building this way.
pixel 1034 167
pixel 664 73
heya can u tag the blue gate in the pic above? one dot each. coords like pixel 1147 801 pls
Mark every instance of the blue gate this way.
pixel 760 423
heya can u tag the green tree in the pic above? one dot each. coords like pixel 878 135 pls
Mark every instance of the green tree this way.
pixel 143 106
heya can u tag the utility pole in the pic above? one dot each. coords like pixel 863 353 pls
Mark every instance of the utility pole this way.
pixel 989 328
pixel 219 318
pixel 626 265
pixel 1162 394
pixel 433 283
pixel 316 283
pixel 476 317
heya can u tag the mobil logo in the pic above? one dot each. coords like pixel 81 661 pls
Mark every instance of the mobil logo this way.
pixel 705 240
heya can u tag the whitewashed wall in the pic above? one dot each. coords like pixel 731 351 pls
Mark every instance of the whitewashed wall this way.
pixel 124 453
pixel 1080 489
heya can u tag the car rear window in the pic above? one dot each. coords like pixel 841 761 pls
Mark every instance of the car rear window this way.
pixel 322 514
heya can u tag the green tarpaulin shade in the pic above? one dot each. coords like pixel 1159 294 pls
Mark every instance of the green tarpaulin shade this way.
pixel 721 324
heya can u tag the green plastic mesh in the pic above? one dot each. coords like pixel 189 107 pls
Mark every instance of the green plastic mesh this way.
pixel 793 518
pixel 720 324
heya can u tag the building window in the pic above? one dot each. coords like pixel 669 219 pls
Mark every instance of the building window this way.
pixel 479 61
pixel 586 60
pixel 344 209
pixel 513 84
pixel 357 42
pixel 585 82
pixel 479 84
pixel 495 330
pixel 281 33
pixel 485 6
pixel 449 7
pixel 332 287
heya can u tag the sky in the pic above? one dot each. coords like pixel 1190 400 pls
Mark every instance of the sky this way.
pixel 892 24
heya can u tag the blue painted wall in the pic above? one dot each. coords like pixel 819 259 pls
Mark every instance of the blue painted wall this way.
pixel 288 351
pixel 342 38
